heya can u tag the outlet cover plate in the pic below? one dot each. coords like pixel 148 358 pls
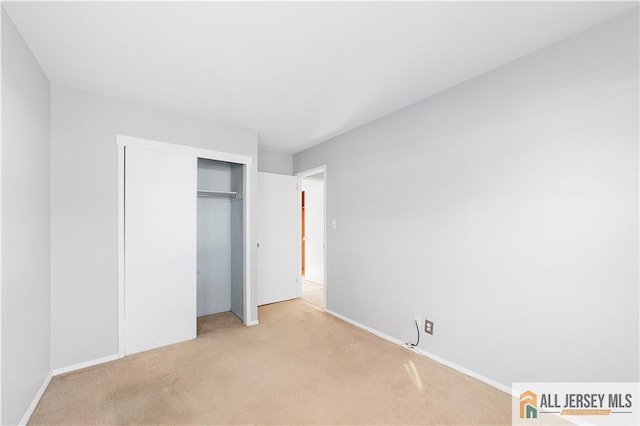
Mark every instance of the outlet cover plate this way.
pixel 428 327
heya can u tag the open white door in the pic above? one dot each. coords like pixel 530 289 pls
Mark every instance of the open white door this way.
pixel 279 237
pixel 160 248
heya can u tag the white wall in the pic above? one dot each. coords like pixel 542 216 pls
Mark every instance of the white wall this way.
pixel 84 209
pixel 505 210
pixel 214 175
pixel 25 225
pixel 314 229
pixel 275 162
pixel 214 255
pixel 214 239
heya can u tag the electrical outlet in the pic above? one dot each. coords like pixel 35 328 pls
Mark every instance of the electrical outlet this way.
pixel 417 318
pixel 428 326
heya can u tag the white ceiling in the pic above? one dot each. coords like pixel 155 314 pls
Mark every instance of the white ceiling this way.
pixel 297 73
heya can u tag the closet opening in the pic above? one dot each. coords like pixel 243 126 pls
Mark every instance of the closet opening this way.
pixel 183 242
pixel 220 244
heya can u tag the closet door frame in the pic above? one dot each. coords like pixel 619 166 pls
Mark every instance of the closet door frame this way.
pixel 123 141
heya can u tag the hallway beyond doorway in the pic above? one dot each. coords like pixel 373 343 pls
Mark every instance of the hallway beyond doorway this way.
pixel 313 293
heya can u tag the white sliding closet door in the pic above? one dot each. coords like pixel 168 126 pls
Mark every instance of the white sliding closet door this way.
pixel 160 248
pixel 279 237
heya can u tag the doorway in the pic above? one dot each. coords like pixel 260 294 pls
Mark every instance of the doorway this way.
pixel 312 236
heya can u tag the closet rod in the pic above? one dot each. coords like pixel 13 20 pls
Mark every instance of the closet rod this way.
pixel 225 194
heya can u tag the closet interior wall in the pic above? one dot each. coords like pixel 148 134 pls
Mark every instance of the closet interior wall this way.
pixel 220 238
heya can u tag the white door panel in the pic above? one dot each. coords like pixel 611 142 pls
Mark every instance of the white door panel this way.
pixel 279 237
pixel 160 248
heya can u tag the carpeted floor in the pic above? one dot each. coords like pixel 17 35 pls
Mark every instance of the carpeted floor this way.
pixel 313 293
pixel 299 366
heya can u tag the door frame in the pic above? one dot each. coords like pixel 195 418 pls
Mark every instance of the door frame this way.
pixel 303 174
pixel 123 141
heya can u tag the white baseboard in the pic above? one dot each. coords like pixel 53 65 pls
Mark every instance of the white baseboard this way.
pixel 36 399
pixel 85 364
pixel 369 329
pixel 463 370
pixel 422 352
pixel 252 323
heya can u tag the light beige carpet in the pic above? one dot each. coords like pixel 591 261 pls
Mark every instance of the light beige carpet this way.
pixel 299 366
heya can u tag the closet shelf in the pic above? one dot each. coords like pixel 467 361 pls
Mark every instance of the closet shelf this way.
pixel 220 194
